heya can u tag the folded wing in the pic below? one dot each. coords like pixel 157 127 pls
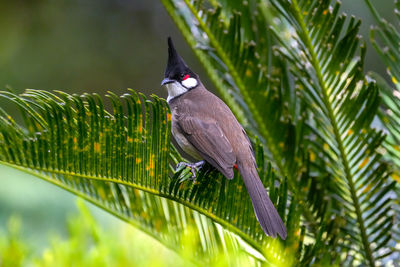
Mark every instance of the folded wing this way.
pixel 208 138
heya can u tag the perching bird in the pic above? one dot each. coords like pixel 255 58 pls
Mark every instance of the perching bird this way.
pixel 206 129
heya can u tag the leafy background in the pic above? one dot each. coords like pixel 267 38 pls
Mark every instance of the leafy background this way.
pixel 39 35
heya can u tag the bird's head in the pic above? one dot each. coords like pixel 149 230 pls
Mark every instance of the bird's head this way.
pixel 178 78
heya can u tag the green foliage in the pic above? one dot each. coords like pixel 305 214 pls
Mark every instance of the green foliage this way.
pixel 324 50
pixel 318 103
pixel 235 48
pixel 389 37
pixel 385 38
pixel 13 250
pixel 87 244
pixel 122 164
pixel 293 74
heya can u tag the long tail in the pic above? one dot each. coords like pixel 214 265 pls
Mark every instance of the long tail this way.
pixel 265 211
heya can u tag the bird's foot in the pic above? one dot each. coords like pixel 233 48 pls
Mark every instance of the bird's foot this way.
pixel 192 166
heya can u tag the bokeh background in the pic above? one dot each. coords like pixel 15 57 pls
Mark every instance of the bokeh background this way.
pixel 93 46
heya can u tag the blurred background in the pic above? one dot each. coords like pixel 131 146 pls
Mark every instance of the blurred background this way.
pixel 92 46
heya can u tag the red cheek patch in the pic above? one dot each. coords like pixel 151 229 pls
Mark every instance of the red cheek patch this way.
pixel 186 76
pixel 235 167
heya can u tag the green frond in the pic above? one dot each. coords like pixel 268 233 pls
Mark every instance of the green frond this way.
pixel 232 41
pixel 326 58
pixel 385 38
pixel 321 82
pixel 292 72
pixel 122 162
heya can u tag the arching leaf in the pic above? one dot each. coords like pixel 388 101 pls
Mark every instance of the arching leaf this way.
pixel 326 57
pixel 385 38
pixel 122 162
pixel 389 37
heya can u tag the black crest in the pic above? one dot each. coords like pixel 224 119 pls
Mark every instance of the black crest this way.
pixel 176 66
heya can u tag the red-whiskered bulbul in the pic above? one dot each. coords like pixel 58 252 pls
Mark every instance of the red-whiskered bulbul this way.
pixel 206 129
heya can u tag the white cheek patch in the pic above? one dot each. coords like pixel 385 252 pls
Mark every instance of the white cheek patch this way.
pixel 189 83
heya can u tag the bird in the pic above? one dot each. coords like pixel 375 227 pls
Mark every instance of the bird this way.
pixel 207 130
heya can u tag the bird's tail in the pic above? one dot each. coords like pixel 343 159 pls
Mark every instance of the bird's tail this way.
pixel 265 211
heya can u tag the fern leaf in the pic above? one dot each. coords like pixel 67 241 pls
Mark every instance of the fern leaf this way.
pixel 385 38
pixel 389 36
pixel 120 161
pixel 327 59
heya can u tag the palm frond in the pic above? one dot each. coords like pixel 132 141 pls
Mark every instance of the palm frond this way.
pixel 122 162
pixel 331 86
pixel 326 58
pixel 232 41
pixel 385 39
pixel 389 37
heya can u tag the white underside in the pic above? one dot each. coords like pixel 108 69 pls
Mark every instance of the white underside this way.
pixel 175 89
pixel 185 144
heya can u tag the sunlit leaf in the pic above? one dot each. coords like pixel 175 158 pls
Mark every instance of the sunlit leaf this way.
pixel 120 161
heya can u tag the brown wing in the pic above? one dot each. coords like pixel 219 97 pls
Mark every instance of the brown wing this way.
pixel 208 138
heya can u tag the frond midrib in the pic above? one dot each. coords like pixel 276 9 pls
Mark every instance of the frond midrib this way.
pixel 349 176
pixel 248 239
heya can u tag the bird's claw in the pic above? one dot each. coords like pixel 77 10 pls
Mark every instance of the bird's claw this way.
pixel 192 166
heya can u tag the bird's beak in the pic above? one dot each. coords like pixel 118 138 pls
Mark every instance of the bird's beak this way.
pixel 167 80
